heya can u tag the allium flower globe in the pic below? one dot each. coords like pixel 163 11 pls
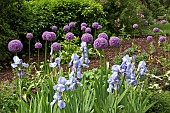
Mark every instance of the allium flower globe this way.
pixel 83 24
pixel 163 22
pixel 155 30
pixel 72 24
pixel 99 27
pixel 88 30
pixel 56 46
pixel 149 38
pixel 45 35
pixel 54 28
pixel 135 26
pixel 69 36
pixel 83 28
pixel 15 46
pixel 38 45
pixel 100 43
pixel 114 41
pixel 88 38
pixel 103 35
pixel 29 35
pixel 51 36
pixel 162 39
pixel 66 28
pixel 95 25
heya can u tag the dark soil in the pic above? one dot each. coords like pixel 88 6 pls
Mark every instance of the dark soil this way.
pixel 6 73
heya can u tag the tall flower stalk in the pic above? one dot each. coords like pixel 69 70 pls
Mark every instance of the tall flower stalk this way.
pixel 38 45
pixel 29 36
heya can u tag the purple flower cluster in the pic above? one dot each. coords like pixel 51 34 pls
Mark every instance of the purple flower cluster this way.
pixel 163 22
pixel 56 46
pixel 149 38
pixel 83 28
pixel 83 24
pixel 88 30
pixel 38 45
pixel 50 36
pixel 88 38
pixel 135 26
pixel 155 30
pixel 29 35
pixel 162 39
pixel 114 41
pixel 66 28
pixel 100 43
pixel 103 35
pixel 15 46
pixel 72 24
pixel 99 27
pixel 54 28
pixel 69 36
pixel 95 25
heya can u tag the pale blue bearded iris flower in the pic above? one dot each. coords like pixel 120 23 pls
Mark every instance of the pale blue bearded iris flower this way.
pixel 17 62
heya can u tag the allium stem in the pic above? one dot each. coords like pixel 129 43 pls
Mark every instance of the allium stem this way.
pixel 45 60
pixel 29 50
pixel 38 57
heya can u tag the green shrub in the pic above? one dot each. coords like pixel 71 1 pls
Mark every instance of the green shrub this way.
pixel 46 13
pixel 163 103
pixel 12 16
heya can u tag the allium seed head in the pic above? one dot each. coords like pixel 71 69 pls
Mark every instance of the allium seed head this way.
pixel 103 35
pixel 15 46
pixel 38 45
pixel 69 36
pixel 88 38
pixel 100 43
pixel 114 41
pixel 29 35
pixel 56 46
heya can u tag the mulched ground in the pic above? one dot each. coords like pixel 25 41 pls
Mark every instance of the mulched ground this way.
pixel 6 74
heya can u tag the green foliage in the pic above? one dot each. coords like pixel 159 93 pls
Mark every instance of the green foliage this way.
pixel 46 13
pixel 127 12
pixel 12 16
pixel 163 103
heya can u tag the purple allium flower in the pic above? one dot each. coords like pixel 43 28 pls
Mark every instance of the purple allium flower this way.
pixel 103 35
pixel 88 30
pixel 51 36
pixel 99 27
pixel 45 35
pixel 162 39
pixel 95 25
pixel 100 43
pixel 163 22
pixel 83 28
pixel 66 28
pixel 155 30
pixel 56 46
pixel 114 41
pixel 69 36
pixel 29 35
pixel 149 38
pixel 72 24
pixel 38 45
pixel 83 24
pixel 135 26
pixel 54 28
pixel 15 46
pixel 87 37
